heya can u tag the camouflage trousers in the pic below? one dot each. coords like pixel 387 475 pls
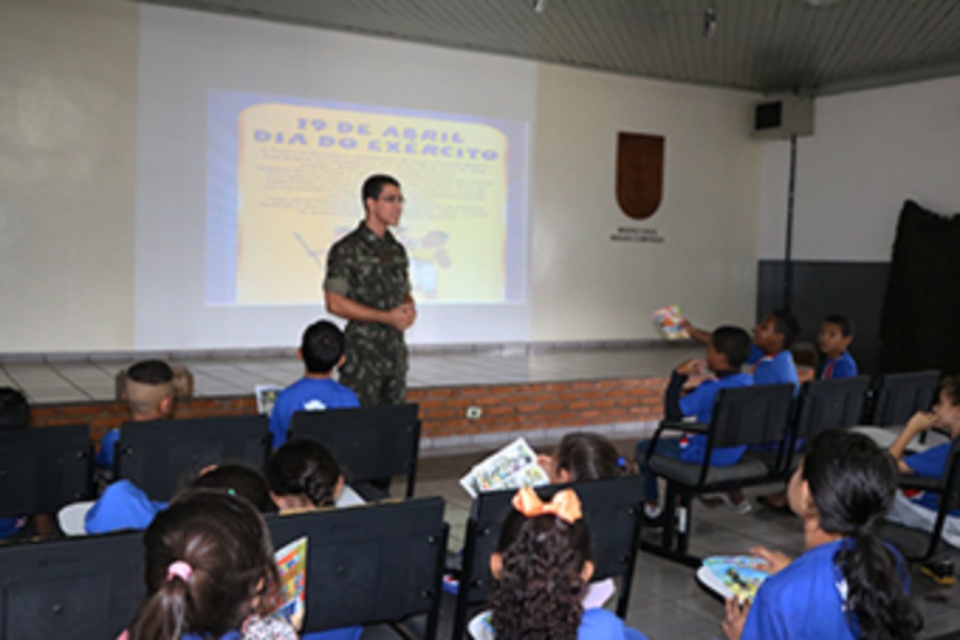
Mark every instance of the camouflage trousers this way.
pixel 374 386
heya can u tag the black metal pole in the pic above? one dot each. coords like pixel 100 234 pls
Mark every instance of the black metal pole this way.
pixel 788 248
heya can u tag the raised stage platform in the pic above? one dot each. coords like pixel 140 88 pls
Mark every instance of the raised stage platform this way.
pixel 535 389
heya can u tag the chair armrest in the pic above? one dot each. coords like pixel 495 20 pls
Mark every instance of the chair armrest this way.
pixel 917 482
pixel 698 427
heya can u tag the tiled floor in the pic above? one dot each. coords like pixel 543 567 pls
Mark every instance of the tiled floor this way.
pixel 666 602
pixel 80 379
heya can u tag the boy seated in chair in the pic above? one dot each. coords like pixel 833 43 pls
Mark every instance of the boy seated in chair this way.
pixel 727 350
pixel 919 509
pixel 321 349
pixel 149 392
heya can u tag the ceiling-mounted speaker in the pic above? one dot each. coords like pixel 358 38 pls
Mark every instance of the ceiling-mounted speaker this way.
pixel 783 116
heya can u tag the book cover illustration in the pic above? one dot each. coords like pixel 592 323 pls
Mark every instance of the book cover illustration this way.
pixel 291 562
pixel 669 321
pixel 266 397
pixel 733 576
pixel 511 467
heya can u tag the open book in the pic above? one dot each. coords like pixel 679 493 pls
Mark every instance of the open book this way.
pixel 670 323
pixel 733 576
pixel 511 467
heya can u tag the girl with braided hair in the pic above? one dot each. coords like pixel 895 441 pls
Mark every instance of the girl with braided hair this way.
pixel 542 567
pixel 209 573
pixel 848 584
pixel 303 474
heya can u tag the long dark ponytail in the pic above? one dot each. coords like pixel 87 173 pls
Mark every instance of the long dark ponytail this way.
pixel 852 482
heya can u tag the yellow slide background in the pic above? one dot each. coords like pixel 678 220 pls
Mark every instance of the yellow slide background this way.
pixel 299 177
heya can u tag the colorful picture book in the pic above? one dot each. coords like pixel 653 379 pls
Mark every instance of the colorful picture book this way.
pixel 291 562
pixel 733 576
pixel 669 321
pixel 266 397
pixel 511 467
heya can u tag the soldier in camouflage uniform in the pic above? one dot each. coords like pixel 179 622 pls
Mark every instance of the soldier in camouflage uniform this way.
pixel 368 283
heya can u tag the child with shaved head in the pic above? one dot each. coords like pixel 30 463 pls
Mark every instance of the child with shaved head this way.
pixel 149 393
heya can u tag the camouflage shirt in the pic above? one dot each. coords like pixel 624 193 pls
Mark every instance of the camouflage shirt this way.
pixel 374 272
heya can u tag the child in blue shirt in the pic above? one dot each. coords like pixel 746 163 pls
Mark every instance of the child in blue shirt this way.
pixel 541 569
pixel 726 353
pixel 847 584
pixel 209 573
pixel 321 349
pixel 770 356
pixel 836 334
pixel 149 392
pixel 14 414
pixel 919 509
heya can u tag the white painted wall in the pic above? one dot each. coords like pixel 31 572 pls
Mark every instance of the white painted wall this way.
pixel 587 287
pixel 870 151
pixel 68 92
pixel 68 100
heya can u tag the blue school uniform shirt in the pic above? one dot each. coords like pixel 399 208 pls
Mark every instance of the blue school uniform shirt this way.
pixel 123 505
pixel 807 599
pixel 699 404
pixel 843 366
pixel 104 457
pixel 10 526
pixel 929 464
pixel 776 369
pixel 307 394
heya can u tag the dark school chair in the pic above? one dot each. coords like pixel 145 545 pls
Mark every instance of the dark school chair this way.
pixel 745 416
pixel 898 396
pixel 44 468
pixel 373 445
pixel 822 405
pixel 78 588
pixel 160 456
pixel 371 564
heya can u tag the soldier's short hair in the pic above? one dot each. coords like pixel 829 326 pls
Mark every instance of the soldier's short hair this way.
pixel 373 186
pixel 321 346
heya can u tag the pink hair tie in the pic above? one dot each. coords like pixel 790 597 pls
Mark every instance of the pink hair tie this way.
pixel 179 569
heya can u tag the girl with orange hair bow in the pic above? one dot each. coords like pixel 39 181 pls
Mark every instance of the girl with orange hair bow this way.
pixel 542 567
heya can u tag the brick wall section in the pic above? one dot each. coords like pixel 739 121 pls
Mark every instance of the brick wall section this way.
pixel 509 407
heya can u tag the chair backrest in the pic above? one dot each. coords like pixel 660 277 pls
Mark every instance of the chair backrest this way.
pixel 611 509
pixel 371 444
pixel 160 455
pixel 831 404
pixel 369 564
pixel 899 395
pixel 79 588
pixel 44 468
pixel 752 415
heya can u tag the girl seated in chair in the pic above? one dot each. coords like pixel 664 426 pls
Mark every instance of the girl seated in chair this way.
pixel 542 567
pixel 847 584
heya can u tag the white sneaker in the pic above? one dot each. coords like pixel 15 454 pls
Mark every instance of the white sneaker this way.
pixel 743 507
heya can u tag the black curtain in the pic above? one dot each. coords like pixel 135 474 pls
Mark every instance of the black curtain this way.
pixel 920 323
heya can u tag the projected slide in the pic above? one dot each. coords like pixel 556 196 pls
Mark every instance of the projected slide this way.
pixel 283 185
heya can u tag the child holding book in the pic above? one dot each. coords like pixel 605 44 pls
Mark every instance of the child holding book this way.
pixel 209 573
pixel 848 583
